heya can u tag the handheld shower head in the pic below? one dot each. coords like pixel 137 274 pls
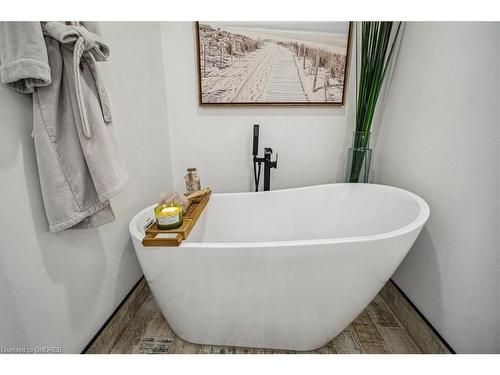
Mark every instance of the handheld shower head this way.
pixel 255 140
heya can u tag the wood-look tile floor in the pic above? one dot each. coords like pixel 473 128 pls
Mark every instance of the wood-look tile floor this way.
pixel 376 330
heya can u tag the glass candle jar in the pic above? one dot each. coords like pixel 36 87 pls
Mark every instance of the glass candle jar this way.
pixel 168 215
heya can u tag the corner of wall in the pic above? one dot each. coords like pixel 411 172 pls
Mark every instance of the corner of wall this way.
pixel 168 131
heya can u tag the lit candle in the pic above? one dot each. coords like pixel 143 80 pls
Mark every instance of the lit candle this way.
pixel 168 215
pixel 170 211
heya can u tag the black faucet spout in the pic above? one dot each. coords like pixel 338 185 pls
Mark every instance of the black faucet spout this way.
pixel 268 164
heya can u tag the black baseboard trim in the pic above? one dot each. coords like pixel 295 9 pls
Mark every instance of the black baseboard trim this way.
pixel 111 317
pixel 445 343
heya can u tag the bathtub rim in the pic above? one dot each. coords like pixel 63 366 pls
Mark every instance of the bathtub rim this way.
pixel 418 222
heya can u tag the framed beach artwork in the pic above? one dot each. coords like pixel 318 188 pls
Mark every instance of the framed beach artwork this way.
pixel 272 63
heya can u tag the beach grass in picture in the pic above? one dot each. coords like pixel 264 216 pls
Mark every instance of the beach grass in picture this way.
pixel 295 63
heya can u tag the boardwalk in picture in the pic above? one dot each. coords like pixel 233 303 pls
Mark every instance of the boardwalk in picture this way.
pixel 285 85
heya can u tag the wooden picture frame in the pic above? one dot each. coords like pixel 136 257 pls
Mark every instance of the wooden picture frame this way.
pixel 239 65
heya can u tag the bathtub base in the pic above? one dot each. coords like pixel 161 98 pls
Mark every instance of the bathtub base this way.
pixel 299 321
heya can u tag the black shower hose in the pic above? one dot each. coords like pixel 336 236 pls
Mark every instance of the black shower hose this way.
pixel 256 175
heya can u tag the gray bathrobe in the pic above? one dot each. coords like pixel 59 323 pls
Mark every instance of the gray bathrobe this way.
pixel 78 162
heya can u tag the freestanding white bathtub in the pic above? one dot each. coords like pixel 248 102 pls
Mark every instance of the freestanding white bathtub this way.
pixel 285 269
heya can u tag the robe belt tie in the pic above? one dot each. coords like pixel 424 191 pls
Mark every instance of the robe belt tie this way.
pixel 87 48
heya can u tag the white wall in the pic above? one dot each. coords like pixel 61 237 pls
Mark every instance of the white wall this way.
pixel 311 141
pixel 439 138
pixel 58 289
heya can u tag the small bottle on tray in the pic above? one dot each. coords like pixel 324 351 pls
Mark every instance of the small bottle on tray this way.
pixel 192 181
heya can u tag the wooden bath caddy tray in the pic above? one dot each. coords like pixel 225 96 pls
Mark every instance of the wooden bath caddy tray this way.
pixel 174 237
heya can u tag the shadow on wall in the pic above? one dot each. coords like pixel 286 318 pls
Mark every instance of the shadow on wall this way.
pixel 76 259
pixel 270 110
pixel 68 256
pixel 427 249
pixel 10 319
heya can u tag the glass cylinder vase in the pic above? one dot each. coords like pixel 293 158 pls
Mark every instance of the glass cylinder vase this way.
pixel 359 157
